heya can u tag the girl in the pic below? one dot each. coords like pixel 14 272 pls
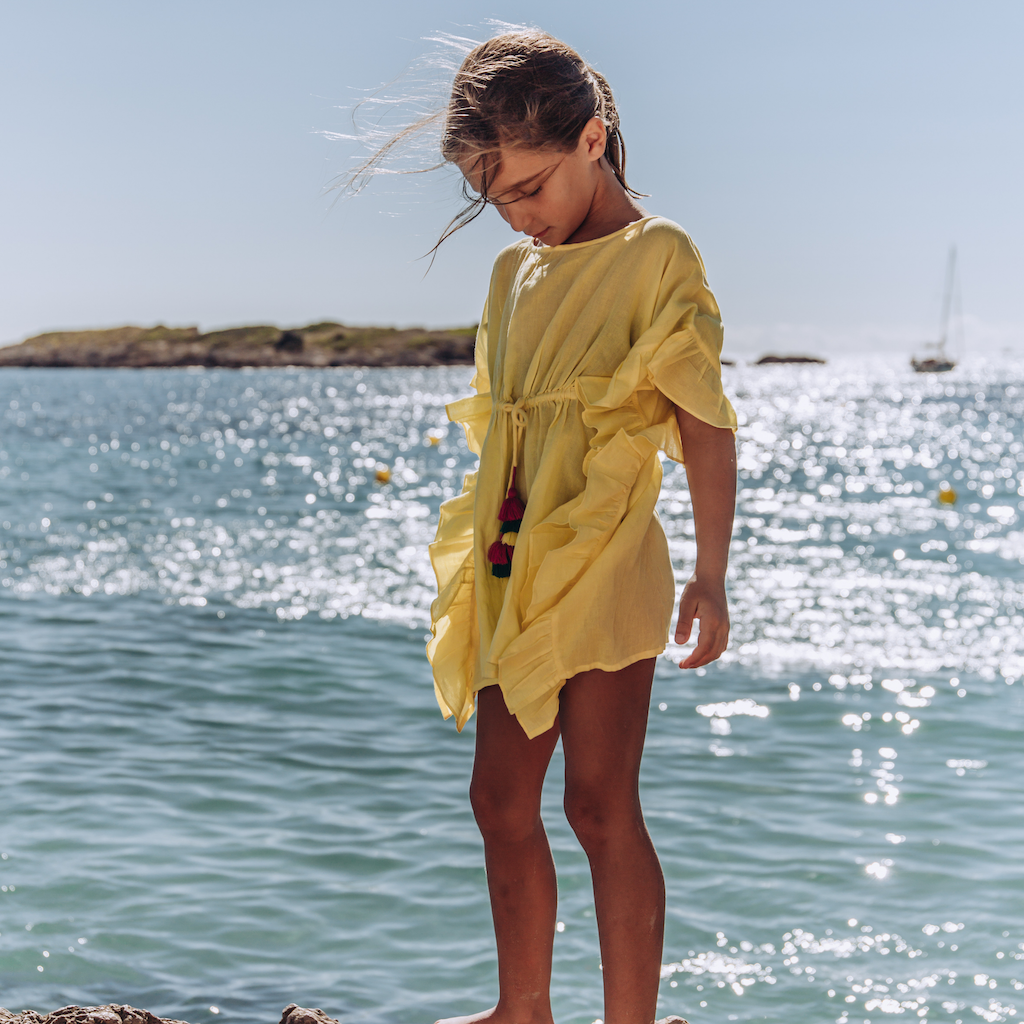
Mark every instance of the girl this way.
pixel 598 348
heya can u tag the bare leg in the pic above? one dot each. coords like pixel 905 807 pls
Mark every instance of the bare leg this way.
pixel 603 718
pixel 508 774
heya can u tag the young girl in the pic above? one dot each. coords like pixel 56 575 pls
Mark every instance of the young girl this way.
pixel 598 349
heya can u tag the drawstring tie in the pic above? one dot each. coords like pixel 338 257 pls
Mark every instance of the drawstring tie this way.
pixel 513 507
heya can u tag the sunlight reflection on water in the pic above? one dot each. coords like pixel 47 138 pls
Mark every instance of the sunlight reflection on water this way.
pixel 842 554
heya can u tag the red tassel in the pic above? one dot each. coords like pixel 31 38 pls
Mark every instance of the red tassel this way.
pixel 512 507
pixel 499 554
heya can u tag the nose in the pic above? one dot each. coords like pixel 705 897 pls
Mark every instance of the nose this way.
pixel 517 219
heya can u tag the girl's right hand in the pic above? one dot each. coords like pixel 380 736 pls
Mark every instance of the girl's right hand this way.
pixel 706 602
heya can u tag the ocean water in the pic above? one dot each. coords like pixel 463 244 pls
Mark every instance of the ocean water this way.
pixel 225 785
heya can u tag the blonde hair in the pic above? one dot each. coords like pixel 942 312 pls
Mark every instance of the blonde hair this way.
pixel 521 88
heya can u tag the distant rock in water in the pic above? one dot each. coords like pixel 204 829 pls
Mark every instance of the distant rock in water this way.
pixel 114 1013
pixel 771 359
pixel 325 344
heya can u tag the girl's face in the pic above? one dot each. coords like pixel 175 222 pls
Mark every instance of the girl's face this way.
pixel 544 193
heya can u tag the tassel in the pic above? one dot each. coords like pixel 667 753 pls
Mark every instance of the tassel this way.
pixel 499 554
pixel 512 508
pixel 511 515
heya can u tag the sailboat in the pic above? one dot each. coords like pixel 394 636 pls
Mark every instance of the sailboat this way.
pixel 940 362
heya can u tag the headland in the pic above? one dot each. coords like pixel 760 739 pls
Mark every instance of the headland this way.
pixel 322 344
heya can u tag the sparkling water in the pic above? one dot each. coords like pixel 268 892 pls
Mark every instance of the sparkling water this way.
pixel 226 785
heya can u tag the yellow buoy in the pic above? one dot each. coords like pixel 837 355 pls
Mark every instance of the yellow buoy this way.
pixel 383 475
pixel 433 440
pixel 947 496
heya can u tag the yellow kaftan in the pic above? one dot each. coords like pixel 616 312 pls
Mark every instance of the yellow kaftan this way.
pixel 582 353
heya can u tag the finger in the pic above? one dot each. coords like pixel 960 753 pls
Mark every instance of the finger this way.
pixel 711 644
pixel 696 656
pixel 687 613
pixel 698 660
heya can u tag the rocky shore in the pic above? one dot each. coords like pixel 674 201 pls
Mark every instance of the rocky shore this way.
pixel 115 1013
pixel 324 344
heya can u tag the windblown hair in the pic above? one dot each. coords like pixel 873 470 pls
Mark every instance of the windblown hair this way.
pixel 524 88
pixel 521 88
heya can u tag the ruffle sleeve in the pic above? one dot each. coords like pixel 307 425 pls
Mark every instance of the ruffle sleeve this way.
pixel 455 641
pixel 674 362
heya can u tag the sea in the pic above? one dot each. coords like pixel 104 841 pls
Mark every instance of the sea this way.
pixel 225 785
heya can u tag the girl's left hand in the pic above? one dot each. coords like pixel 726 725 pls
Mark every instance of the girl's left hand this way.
pixel 708 603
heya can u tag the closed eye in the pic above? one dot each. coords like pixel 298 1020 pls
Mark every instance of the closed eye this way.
pixel 518 190
pixel 508 202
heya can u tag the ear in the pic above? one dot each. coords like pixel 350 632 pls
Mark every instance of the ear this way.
pixel 593 139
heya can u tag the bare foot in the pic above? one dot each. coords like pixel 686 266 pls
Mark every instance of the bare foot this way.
pixel 472 1018
pixel 494 1016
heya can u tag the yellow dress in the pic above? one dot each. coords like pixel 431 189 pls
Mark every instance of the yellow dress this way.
pixel 583 352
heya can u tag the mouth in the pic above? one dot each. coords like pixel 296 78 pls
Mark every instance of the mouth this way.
pixel 538 236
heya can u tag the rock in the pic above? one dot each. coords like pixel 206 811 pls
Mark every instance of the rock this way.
pixel 113 1013
pixel 769 360
pixel 116 1013
pixel 290 341
pixel 293 1014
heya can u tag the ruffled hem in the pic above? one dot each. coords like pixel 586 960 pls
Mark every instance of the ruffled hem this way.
pixel 531 675
pixel 455 639
pixel 452 650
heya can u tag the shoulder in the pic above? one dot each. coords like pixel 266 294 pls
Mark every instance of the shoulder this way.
pixel 663 246
pixel 661 237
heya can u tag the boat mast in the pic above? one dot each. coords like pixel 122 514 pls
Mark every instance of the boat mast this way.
pixel 947 302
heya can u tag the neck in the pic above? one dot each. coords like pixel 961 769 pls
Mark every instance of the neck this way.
pixel 611 209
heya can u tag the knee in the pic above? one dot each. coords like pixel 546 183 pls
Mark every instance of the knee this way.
pixel 599 813
pixel 502 814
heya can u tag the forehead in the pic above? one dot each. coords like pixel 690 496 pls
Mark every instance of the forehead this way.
pixel 517 166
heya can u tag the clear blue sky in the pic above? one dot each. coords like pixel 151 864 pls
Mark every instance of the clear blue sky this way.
pixel 160 161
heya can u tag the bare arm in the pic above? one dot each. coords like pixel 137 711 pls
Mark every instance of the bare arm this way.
pixel 710 454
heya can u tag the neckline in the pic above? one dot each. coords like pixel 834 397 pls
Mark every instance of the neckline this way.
pixel 540 250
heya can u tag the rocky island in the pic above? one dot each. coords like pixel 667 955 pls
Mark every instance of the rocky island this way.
pixel 772 360
pixel 323 344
